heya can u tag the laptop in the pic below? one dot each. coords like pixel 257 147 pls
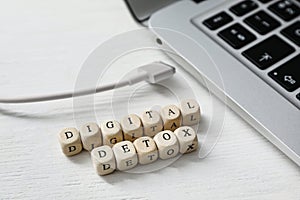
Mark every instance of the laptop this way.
pixel 255 47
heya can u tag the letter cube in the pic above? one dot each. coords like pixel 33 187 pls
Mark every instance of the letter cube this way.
pixel 190 111
pixel 70 142
pixel 91 136
pixel 111 132
pixel 167 144
pixel 125 153
pixel 146 150
pixel 132 127
pixel 152 122
pixel 187 139
pixel 103 159
pixel 171 116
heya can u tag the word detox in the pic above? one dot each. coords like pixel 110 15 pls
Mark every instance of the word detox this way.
pixel 135 139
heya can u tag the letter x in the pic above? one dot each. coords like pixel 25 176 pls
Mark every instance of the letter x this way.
pixel 186 131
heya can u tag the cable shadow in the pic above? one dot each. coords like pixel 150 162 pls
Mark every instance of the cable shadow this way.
pixel 17 114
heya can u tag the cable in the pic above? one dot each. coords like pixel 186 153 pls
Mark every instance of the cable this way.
pixel 152 73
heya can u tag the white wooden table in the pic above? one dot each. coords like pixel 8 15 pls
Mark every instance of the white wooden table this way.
pixel 42 47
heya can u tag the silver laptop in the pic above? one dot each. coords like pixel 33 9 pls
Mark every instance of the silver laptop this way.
pixel 255 47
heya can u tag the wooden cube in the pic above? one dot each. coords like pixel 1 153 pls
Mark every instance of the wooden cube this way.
pixel 146 150
pixel 187 139
pixel 91 136
pixel 171 117
pixel 70 142
pixel 167 144
pixel 125 153
pixel 111 132
pixel 132 127
pixel 152 122
pixel 190 111
pixel 103 159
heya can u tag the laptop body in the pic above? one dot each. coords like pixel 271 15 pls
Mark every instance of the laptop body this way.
pixel 255 48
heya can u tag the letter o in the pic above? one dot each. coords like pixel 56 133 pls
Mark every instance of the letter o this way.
pixel 170 151
pixel 168 136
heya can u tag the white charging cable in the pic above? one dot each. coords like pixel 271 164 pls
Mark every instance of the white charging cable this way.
pixel 152 73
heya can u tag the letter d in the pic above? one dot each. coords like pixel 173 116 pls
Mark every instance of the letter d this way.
pixel 106 166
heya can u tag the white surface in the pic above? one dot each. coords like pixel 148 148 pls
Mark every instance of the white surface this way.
pixel 43 45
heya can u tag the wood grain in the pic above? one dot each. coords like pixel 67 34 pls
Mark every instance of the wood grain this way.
pixel 43 44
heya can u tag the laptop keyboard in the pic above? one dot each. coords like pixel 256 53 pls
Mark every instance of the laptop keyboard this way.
pixel 264 35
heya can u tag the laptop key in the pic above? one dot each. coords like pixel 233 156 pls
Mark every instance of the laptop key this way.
pixel 298 96
pixel 243 7
pixel 268 52
pixel 292 32
pixel 285 9
pixel 288 74
pixel 265 1
pixel 217 20
pixel 262 22
pixel 237 36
